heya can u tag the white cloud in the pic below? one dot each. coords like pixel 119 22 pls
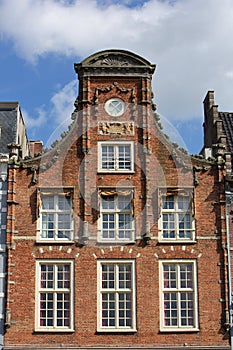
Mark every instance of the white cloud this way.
pixel 32 122
pixel 189 40
pixel 58 115
pixel 63 103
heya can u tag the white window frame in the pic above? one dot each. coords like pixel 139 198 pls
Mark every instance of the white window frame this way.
pixel 56 212
pixel 54 291
pixel 116 212
pixel 178 289
pixel 115 160
pixel 177 212
pixel 116 290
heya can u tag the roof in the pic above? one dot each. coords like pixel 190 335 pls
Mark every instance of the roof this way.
pixel 227 124
pixel 8 125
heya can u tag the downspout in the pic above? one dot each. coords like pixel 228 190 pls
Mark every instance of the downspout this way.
pixel 229 200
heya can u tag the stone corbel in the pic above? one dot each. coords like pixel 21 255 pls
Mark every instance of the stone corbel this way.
pixel 34 169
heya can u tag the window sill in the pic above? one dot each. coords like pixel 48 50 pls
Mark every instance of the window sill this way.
pixel 54 241
pixel 115 241
pixel 112 171
pixel 176 241
pixel 117 330
pixel 53 330
pixel 179 330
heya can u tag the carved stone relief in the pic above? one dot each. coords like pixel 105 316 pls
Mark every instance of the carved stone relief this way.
pixel 120 128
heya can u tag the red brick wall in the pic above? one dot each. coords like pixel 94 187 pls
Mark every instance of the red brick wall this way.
pixel 160 168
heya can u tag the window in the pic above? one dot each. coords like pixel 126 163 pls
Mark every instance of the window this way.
pixel 56 221
pixel 54 307
pixel 115 107
pixel 115 157
pixel 176 221
pixel 178 295
pixel 116 296
pixel 116 216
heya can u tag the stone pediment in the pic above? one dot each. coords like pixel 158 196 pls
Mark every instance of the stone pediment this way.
pixel 115 59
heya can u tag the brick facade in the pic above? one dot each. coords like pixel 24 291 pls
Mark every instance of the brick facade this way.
pixel 72 166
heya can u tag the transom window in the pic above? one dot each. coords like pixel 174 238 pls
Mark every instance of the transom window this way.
pixel 116 157
pixel 54 296
pixel 116 296
pixel 56 221
pixel 116 216
pixel 179 296
pixel 176 221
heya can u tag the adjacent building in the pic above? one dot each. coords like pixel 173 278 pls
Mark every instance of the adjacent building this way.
pixel 13 141
pixel 116 237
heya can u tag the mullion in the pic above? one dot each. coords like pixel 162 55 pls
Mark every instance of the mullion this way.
pixel 116 157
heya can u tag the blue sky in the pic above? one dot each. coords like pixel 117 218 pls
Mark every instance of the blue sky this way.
pixel 190 41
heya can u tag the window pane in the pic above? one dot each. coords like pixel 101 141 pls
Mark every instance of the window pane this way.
pixel 107 157
pixel 124 202
pixel 170 309
pixel 116 217
pixel 46 309
pixel 178 305
pixel 47 276
pixel 124 223
pixel 108 202
pixel 55 305
pixel 184 203
pixel 63 310
pixel 168 202
pixel 170 276
pixel 124 157
pixel 187 314
pixel 108 276
pixel 125 310
pixel 108 309
pixel 54 223
pixel 108 225
pixel 64 203
pixel 64 226
pixel 168 226
pixel 116 302
pixel 124 276
pixel 186 279
pixel 63 276
pixel 48 202
pixel 176 217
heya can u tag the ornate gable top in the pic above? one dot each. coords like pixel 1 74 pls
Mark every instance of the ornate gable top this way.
pixel 114 61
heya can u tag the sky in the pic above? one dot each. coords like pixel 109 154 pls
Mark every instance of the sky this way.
pixel 190 41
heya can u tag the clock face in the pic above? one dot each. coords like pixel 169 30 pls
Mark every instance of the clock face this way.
pixel 115 107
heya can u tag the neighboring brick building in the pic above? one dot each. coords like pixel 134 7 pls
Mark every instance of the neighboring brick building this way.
pixel 218 143
pixel 13 140
pixel 116 237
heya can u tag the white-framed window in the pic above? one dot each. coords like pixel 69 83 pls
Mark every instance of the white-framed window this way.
pixel 116 156
pixel 179 310
pixel 116 222
pixel 116 296
pixel 54 295
pixel 55 218
pixel 176 221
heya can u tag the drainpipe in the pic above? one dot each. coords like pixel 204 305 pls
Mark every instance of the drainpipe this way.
pixel 229 201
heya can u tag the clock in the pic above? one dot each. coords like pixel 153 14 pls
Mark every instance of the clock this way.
pixel 115 107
